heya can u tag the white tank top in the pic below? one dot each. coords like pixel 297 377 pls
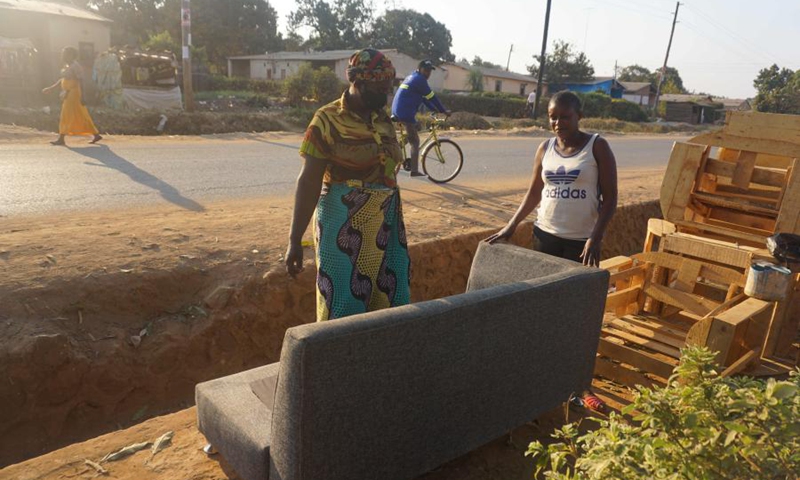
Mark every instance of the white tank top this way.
pixel 571 196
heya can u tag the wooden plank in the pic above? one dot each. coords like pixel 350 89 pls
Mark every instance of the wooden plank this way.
pixel 640 359
pixel 743 362
pixel 616 263
pixel 783 326
pixel 724 231
pixel 679 177
pixel 637 271
pixel 617 373
pixel 688 274
pixel 735 204
pixel 682 300
pixel 771 147
pixel 658 325
pixel 713 273
pixel 743 172
pixel 622 298
pixel 743 222
pixel 789 218
pixel 717 252
pixel 643 342
pixel 768 196
pixel 729 327
pixel 644 332
pixel 766 126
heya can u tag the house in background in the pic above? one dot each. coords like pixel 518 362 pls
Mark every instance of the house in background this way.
pixel 49 27
pixel 733 104
pixel 608 85
pixel 456 77
pixel 279 66
pixel 640 93
pixel 694 109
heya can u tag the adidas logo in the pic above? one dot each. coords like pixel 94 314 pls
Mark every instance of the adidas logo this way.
pixel 561 176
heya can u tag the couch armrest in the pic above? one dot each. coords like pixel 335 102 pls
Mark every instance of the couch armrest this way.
pixel 501 263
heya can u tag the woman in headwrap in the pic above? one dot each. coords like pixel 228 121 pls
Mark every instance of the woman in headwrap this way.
pixel 75 119
pixel 350 153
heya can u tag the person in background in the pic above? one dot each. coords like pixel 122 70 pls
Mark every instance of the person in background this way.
pixel 350 152
pixel 75 119
pixel 413 92
pixel 530 104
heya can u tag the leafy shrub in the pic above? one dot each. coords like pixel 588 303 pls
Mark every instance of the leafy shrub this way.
pixel 487 106
pixel 700 426
pixel 627 111
pixel 327 86
pixel 300 85
pixel 300 116
pixel 258 101
pixel 595 104
pixel 219 82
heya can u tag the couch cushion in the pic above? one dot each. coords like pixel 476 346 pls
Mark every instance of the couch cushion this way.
pixel 236 422
pixel 501 263
pixel 395 393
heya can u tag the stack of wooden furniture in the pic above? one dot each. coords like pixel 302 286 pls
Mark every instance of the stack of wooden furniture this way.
pixel 723 194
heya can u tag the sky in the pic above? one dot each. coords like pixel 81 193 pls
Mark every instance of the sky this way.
pixel 718 48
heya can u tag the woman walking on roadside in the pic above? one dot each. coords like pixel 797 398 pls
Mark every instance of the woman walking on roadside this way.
pixel 574 185
pixel 350 153
pixel 75 119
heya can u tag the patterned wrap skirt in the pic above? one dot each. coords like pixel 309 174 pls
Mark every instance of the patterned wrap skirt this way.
pixel 361 250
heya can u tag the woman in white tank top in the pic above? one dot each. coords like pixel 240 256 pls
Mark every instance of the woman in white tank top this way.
pixel 574 185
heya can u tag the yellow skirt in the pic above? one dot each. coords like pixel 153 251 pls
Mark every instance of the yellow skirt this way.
pixel 75 119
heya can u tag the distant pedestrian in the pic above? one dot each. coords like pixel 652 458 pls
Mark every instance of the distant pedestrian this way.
pixel 75 119
pixel 531 104
pixel 574 185
pixel 413 92
pixel 350 152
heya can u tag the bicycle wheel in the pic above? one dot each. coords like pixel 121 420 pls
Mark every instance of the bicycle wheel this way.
pixel 442 161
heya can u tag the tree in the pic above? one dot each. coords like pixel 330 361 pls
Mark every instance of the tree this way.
pixel 300 85
pixel 635 73
pixel 563 65
pixel 341 26
pixel 475 80
pixel 327 86
pixel 670 77
pixel 778 90
pixel 479 62
pixel 134 20
pixel 416 34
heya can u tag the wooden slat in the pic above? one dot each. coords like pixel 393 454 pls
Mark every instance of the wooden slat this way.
pixel 789 218
pixel 729 327
pixel 622 298
pixel 743 172
pixel 741 221
pixel 645 332
pixel 743 362
pixel 711 251
pixel 727 232
pixel 625 376
pixel 638 270
pixel 768 126
pixel 682 300
pixel 713 273
pixel 735 204
pixel 616 263
pixel 637 358
pixel 679 177
pixel 772 147
pixel 643 342
pixel 766 198
pixel 659 325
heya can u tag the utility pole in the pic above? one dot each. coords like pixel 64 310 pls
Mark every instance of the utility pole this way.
pixel 509 57
pixel 186 35
pixel 542 61
pixel 615 69
pixel 664 68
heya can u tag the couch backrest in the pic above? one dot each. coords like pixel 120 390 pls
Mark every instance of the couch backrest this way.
pixel 395 393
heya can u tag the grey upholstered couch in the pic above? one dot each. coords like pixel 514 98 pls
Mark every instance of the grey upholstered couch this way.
pixel 395 393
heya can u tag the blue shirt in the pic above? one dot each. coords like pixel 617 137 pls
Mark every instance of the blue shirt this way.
pixel 412 92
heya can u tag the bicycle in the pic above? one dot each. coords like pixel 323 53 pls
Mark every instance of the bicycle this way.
pixel 441 166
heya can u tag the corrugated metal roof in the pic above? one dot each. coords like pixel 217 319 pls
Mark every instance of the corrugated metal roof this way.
pixel 493 72
pixel 634 86
pixel 305 56
pixel 51 8
pixel 686 98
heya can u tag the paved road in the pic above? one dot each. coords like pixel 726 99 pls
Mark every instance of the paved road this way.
pixel 37 179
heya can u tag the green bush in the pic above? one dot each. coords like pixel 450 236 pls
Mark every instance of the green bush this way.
pixel 595 104
pixel 483 105
pixel 700 426
pixel 327 86
pixel 300 116
pixel 219 82
pixel 300 85
pixel 626 111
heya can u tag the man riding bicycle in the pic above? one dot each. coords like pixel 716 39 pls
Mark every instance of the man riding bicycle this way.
pixel 414 91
